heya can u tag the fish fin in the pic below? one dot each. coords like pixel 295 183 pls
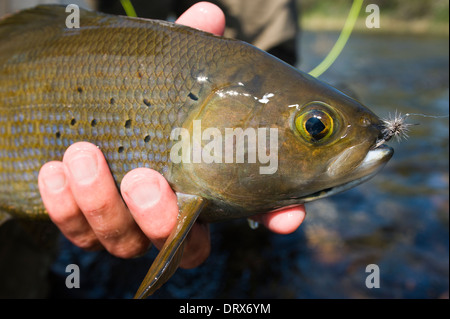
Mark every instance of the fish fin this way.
pixel 168 259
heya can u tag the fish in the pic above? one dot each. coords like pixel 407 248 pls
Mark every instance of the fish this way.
pixel 234 130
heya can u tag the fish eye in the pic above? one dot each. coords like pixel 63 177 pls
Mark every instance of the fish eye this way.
pixel 315 123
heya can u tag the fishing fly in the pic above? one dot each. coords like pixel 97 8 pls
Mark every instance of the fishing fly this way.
pixel 396 126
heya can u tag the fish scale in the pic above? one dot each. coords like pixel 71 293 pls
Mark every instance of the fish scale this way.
pixel 79 87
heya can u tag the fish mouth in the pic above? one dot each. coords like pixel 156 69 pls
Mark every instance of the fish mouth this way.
pixel 374 161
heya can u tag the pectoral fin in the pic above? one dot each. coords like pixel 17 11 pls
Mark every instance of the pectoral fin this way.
pixel 168 259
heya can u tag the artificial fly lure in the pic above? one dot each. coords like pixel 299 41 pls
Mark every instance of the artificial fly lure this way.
pixel 396 126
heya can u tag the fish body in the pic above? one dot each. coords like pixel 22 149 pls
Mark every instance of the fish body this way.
pixel 165 96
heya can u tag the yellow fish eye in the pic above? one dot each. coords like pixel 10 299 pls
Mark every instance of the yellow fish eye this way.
pixel 314 124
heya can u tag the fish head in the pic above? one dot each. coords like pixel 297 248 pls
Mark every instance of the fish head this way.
pixel 292 139
pixel 329 143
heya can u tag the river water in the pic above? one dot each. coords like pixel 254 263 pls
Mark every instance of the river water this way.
pixel 398 221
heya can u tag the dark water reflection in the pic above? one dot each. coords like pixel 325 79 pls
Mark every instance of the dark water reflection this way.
pixel 398 220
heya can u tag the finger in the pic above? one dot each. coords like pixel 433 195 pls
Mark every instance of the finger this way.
pixel 154 207
pixel 62 208
pixel 204 16
pixel 283 221
pixel 96 194
pixel 152 203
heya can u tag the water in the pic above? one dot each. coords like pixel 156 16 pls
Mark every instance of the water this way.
pixel 398 220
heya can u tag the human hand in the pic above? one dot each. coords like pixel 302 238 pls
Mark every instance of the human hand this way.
pixel 82 199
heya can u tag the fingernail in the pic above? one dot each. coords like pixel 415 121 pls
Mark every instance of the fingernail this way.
pixel 84 168
pixel 143 192
pixel 55 179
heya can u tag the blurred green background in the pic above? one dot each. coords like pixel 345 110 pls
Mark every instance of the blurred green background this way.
pixel 399 16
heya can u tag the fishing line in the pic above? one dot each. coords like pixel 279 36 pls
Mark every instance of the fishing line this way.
pixel 128 7
pixel 425 115
pixel 341 41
